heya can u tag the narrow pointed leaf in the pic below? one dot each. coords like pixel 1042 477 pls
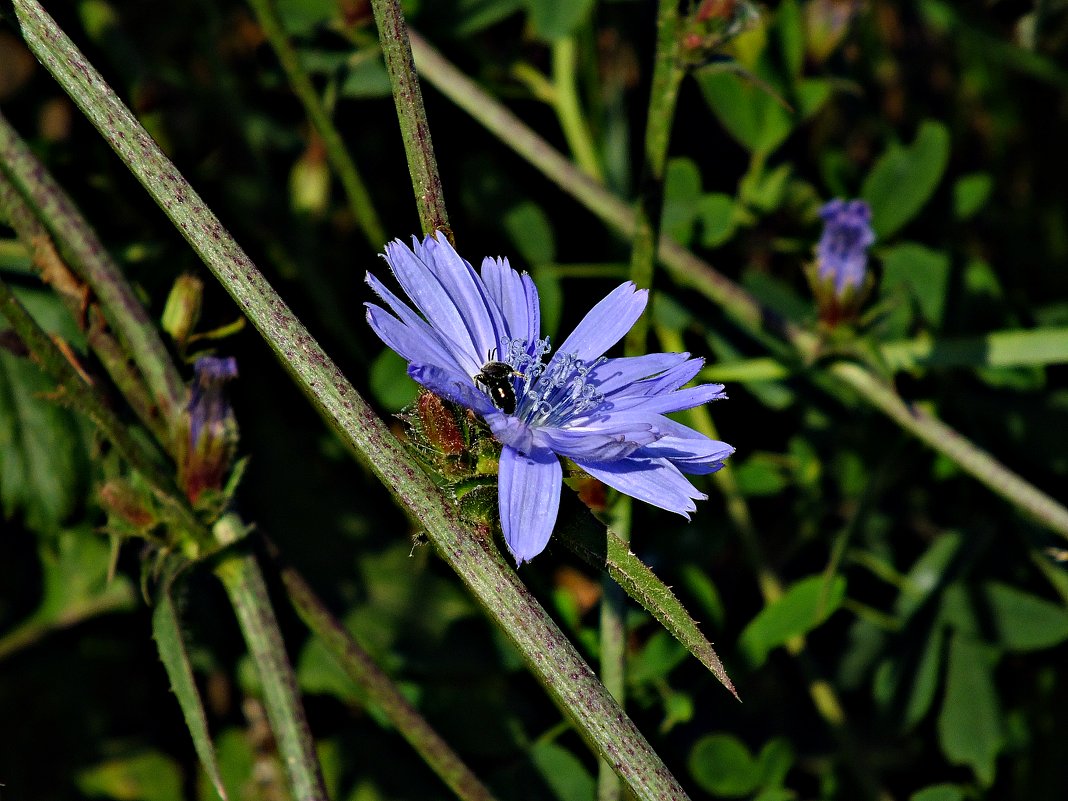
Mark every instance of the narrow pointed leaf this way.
pixel 167 632
pixel 602 549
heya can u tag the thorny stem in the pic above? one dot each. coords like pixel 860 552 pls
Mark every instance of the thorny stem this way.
pixel 38 242
pixel 81 249
pixel 360 203
pixel 397 52
pixel 241 575
pixel 689 270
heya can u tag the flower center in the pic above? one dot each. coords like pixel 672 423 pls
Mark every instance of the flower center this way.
pixel 551 393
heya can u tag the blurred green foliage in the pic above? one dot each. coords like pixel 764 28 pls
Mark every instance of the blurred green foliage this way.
pixel 935 611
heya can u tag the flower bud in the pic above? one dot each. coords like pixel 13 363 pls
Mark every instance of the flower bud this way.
pixel 212 429
pixel 182 311
pixel 839 278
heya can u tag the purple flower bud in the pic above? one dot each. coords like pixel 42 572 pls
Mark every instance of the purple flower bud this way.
pixel 842 253
pixel 212 428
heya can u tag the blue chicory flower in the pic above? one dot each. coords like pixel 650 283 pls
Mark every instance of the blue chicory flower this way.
pixel 842 253
pixel 475 339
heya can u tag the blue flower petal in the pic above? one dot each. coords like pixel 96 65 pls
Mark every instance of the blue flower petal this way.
pixel 409 342
pixel 597 446
pixel 517 298
pixel 529 498
pixel 673 401
pixel 614 375
pixel 452 385
pixel 434 301
pixel 511 431
pixel 485 323
pixel 696 456
pixel 655 481
pixel 606 323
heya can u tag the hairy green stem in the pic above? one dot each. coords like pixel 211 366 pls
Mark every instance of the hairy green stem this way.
pixel 54 271
pixel 74 390
pixel 689 270
pixel 493 583
pixel 947 441
pixel 241 576
pixel 360 203
pixel 613 645
pixel 80 248
pixel 667 75
pixel 569 107
pixel 408 96
pixel 380 689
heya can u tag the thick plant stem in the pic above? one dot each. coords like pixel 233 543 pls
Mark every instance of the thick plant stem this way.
pixel 689 270
pixel 360 203
pixel 380 689
pixel 74 391
pixel 397 52
pixel 80 248
pixel 241 576
pixel 54 271
pixel 550 656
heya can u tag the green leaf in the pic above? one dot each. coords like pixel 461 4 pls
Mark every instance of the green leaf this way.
pixel 970 726
pixel 565 774
pixel 656 659
pixel 970 194
pixel 723 766
pixel 923 272
pixel 924 682
pixel 466 17
pixel 531 232
pixel 553 20
pixel 76 582
pixel 748 111
pixel 904 178
pixel 715 214
pixel 927 575
pixel 682 194
pixel 776 758
pixel 1040 346
pixel 939 792
pixel 603 550
pixel 302 17
pixel 367 78
pixel 146 776
pixel 43 463
pixel 237 762
pixel 811 95
pixel 1023 622
pixel 390 383
pixel 167 632
pixel 806 605
pixel 791 33
pixel 761 475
